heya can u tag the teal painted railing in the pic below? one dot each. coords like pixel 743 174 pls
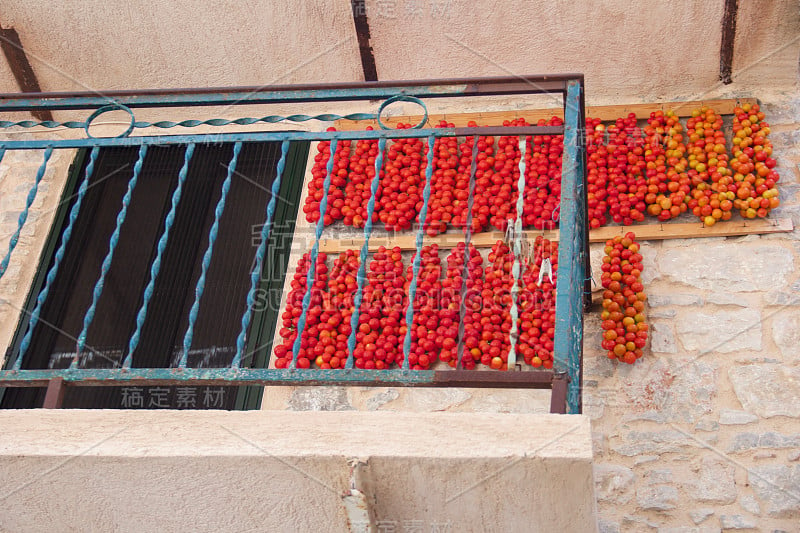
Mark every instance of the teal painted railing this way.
pixel 572 270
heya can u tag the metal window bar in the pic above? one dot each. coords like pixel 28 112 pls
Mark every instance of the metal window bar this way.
pixel 572 273
pixel 266 231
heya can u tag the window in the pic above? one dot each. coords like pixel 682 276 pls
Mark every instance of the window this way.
pixel 218 323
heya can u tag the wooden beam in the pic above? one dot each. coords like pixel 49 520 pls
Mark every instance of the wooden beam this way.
pixel 21 68
pixel 609 112
pixel 54 397
pixel 728 38
pixel 644 232
pixel 362 33
pixel 558 397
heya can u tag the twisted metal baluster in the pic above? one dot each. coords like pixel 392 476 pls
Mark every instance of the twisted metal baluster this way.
pixel 166 124
pixel 266 230
pixel 515 269
pixel 412 290
pixel 462 307
pixel 362 266
pixel 312 270
pixel 212 237
pixel 156 266
pixel 59 256
pixel 112 245
pixel 24 215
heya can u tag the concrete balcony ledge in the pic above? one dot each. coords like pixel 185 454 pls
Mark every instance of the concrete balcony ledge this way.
pixel 294 471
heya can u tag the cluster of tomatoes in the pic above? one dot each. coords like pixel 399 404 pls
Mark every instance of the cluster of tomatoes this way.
pixel 428 327
pixel 626 172
pixel 668 183
pixel 616 183
pixel 596 173
pixel 662 170
pixel 755 175
pixel 487 321
pixel 381 324
pixel 382 327
pixel 449 187
pixel 450 301
pixel 324 340
pixel 339 176
pixel 543 178
pixel 358 187
pixel 402 179
pixel 484 171
pixel 402 183
pixel 708 167
pixel 316 318
pixel 501 192
pixel 624 326
pixel 537 304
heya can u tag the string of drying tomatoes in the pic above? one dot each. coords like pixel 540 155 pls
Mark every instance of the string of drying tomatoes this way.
pixel 293 310
pixel 668 183
pixel 624 326
pixel 708 167
pixel 755 175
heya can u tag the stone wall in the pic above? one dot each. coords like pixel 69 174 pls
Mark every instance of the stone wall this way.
pixel 703 433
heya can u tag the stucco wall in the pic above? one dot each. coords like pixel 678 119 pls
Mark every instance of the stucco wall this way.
pixel 651 49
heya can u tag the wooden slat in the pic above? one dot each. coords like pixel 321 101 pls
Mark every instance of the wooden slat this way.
pixel 644 232
pixel 607 112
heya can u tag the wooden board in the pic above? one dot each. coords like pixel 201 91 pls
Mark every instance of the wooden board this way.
pixel 608 112
pixel 644 232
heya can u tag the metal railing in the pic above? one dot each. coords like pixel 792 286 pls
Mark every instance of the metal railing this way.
pixel 564 378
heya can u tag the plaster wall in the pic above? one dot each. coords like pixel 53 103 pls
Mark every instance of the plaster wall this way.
pixel 653 50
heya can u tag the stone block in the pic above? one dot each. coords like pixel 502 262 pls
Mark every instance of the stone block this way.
pixel 784 297
pixel 613 483
pixel 724 331
pixel 657 497
pixel 767 390
pixel 750 267
pixel 786 332
pixel 777 486
pixel 715 482
pixel 736 521
pixel 699 516
pixel 660 300
pixel 668 390
pixel 732 417
pixel 320 399
pixel 607 526
pixel 750 504
pixel 636 443
pixel 662 338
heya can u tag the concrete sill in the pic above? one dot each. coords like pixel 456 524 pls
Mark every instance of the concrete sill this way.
pixel 289 471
